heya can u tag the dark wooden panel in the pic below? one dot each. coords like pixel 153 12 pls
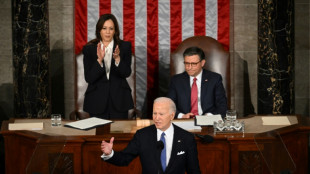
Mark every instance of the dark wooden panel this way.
pixel 93 163
pixel 229 153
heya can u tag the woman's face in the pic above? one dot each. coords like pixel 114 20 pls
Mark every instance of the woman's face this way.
pixel 107 32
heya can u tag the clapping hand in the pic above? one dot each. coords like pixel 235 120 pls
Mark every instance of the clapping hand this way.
pixel 116 54
pixel 100 52
pixel 106 147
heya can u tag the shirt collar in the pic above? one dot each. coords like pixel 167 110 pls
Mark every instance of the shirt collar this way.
pixel 198 77
pixel 110 46
pixel 168 132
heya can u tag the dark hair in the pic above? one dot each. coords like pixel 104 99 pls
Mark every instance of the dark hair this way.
pixel 194 51
pixel 99 26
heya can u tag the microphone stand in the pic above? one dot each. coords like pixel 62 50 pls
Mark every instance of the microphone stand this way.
pixel 160 147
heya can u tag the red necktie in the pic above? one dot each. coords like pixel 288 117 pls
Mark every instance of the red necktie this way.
pixel 194 98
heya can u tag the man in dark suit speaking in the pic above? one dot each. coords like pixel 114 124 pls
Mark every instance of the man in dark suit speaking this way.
pixel 197 91
pixel 162 147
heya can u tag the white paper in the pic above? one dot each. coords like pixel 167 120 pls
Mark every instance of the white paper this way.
pixel 26 126
pixel 88 123
pixel 207 120
pixel 276 120
pixel 187 125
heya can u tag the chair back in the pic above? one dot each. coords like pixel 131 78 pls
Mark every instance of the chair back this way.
pixel 217 59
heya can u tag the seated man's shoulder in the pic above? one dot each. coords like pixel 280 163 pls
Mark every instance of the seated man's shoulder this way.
pixel 213 74
pixel 180 75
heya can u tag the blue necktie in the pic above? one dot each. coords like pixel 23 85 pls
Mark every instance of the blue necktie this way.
pixel 163 152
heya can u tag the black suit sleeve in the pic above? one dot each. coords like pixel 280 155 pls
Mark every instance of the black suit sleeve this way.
pixel 92 69
pixel 192 157
pixel 124 157
pixel 124 67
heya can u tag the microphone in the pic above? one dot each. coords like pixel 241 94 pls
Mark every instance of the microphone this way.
pixel 205 138
pixel 160 145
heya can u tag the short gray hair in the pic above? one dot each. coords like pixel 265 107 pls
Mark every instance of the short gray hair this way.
pixel 172 107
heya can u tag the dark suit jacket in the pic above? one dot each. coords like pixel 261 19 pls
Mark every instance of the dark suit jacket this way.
pixel 213 96
pixel 144 145
pixel 100 89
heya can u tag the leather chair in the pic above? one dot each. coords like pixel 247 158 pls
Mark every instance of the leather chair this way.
pixel 81 87
pixel 217 59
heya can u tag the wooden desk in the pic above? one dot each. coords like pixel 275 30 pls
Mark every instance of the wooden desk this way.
pixel 47 152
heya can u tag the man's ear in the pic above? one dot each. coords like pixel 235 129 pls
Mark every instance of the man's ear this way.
pixel 203 63
pixel 172 115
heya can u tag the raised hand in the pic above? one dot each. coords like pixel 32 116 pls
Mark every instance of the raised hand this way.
pixel 100 52
pixel 106 147
pixel 116 54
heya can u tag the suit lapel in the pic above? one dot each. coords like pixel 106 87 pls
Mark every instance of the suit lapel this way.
pixel 204 88
pixel 187 91
pixel 176 146
pixel 156 155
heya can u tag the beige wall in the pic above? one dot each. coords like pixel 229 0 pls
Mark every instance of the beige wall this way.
pixel 243 51
pixel 61 26
pixel 6 67
pixel 302 56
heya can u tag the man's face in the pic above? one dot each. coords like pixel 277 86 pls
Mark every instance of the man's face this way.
pixel 161 115
pixel 193 65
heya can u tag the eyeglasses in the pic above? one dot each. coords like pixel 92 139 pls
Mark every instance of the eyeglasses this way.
pixel 193 64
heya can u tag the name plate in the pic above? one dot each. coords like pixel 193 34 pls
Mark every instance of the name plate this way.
pixel 26 126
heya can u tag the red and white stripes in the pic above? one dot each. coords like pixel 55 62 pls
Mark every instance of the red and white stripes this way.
pixel 155 28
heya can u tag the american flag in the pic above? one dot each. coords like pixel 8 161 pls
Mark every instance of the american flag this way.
pixel 155 28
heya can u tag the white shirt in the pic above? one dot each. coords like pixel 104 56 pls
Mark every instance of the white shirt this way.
pixel 108 57
pixel 198 83
pixel 169 141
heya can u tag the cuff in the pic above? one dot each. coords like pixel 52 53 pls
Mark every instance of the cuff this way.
pixel 180 115
pixel 106 157
pixel 116 64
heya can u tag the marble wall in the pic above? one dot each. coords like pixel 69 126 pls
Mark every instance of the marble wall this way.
pixel 243 51
pixel 31 59
pixel 276 57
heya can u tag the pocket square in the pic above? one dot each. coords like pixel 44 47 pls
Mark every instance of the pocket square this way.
pixel 181 153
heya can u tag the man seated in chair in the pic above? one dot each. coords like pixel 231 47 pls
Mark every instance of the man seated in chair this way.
pixel 197 91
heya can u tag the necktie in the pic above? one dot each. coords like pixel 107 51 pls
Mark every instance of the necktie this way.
pixel 163 152
pixel 194 98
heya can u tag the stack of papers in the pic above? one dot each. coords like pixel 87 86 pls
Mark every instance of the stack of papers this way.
pixel 207 120
pixel 88 123
pixel 187 125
